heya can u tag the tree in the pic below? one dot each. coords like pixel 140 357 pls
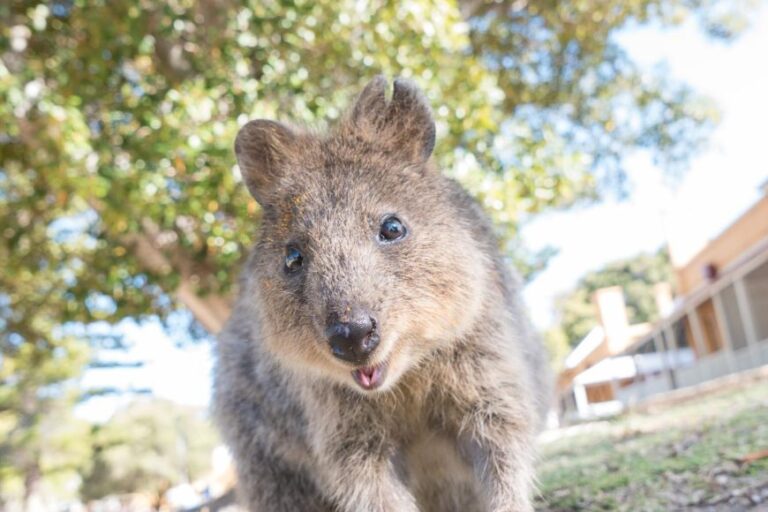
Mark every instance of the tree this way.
pixel 42 353
pixel 39 438
pixel 556 342
pixel 148 447
pixel 37 365
pixel 636 276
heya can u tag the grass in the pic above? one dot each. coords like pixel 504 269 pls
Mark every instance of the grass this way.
pixel 683 457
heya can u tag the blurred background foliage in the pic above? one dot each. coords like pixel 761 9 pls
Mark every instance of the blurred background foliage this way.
pixel 148 447
pixel 119 194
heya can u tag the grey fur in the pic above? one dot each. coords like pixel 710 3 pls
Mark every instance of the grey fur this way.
pixel 452 426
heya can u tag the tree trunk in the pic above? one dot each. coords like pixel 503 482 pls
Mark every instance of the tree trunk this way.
pixel 211 310
pixel 159 253
pixel 31 481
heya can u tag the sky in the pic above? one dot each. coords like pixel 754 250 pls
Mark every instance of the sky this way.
pixel 721 183
pixel 182 375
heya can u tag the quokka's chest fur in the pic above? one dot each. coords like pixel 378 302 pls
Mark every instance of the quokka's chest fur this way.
pixel 411 430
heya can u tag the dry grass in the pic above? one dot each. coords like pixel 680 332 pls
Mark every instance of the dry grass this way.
pixel 685 456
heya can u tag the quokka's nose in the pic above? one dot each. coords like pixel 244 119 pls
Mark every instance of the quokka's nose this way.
pixel 353 340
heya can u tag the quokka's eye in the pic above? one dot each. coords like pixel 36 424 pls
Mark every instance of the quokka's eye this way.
pixel 391 229
pixel 293 259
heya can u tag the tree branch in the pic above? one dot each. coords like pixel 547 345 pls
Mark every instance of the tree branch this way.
pixel 159 253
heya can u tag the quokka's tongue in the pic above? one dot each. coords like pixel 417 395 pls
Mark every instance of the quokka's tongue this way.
pixel 367 377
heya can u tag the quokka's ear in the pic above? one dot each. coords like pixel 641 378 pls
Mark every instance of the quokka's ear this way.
pixel 403 124
pixel 263 149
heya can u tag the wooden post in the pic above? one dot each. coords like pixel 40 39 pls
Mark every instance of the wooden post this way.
pixel 722 324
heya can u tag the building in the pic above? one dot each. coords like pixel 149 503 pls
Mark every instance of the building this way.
pixel 718 324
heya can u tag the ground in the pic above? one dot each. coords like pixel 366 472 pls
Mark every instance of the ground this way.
pixel 705 454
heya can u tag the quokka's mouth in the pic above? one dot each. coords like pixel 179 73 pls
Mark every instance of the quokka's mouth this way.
pixel 370 377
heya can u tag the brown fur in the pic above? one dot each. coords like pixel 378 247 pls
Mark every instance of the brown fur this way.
pixel 451 427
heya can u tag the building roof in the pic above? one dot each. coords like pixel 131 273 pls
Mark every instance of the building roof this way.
pixel 613 368
pixel 735 244
pixel 627 367
pixel 585 347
